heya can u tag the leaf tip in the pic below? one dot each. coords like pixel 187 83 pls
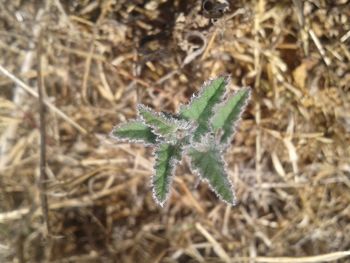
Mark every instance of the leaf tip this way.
pixel 114 133
pixel 157 200
pixel 141 107
pixel 226 77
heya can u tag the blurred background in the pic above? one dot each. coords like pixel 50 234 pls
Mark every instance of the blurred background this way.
pixel 93 61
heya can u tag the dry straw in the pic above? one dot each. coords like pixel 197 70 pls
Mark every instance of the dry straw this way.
pixel 289 160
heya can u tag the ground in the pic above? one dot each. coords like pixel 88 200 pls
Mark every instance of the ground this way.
pixel 93 61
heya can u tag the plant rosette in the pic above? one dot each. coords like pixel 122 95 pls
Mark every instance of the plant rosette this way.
pixel 202 130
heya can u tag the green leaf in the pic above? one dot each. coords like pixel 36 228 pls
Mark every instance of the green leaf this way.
pixel 200 109
pixel 207 161
pixel 134 131
pixel 161 124
pixel 167 155
pixel 228 113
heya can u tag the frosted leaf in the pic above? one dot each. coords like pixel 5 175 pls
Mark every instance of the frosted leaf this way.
pixel 200 108
pixel 210 166
pixel 164 125
pixel 134 131
pixel 228 113
pixel 157 121
pixel 167 156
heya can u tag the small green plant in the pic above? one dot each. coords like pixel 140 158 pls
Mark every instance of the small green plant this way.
pixel 202 130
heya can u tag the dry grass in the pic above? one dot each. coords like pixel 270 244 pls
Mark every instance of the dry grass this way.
pixel 290 159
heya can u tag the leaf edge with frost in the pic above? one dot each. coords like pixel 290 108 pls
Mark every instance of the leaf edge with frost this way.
pixel 210 94
pixel 172 161
pixel 149 140
pixel 232 200
pixel 231 124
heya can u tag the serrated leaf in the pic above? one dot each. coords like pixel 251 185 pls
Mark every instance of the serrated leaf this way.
pixel 209 164
pixel 200 109
pixel 160 123
pixel 167 155
pixel 228 113
pixel 209 95
pixel 134 131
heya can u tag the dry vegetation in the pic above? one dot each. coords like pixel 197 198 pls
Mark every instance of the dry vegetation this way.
pixel 289 160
